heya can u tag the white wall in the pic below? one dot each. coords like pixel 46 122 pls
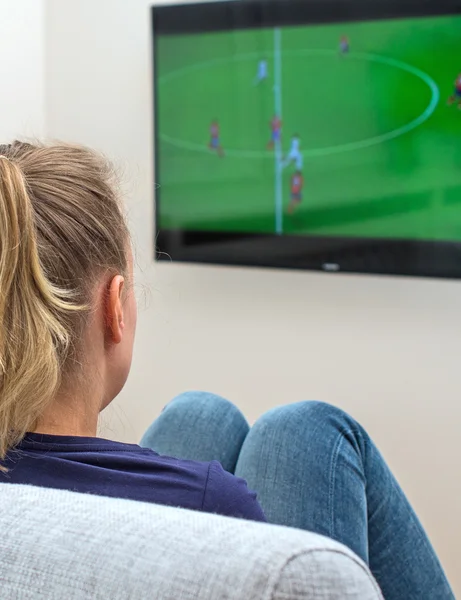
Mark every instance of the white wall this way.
pixel 22 97
pixel 387 350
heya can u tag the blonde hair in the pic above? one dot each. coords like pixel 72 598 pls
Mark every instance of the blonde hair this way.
pixel 61 225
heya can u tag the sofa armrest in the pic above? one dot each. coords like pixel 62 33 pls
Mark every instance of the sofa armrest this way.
pixel 325 573
pixel 57 544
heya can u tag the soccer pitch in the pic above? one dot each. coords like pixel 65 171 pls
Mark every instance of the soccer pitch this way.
pixel 381 148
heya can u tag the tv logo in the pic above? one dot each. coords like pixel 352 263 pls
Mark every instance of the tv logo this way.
pixel 331 267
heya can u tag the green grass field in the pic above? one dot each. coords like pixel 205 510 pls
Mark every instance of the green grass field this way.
pixel 382 157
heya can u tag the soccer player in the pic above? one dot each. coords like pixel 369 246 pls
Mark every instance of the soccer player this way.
pixel 296 188
pixel 456 97
pixel 215 144
pixel 294 155
pixel 344 45
pixel 276 129
pixel 263 71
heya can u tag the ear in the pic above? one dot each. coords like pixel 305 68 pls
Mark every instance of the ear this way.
pixel 114 310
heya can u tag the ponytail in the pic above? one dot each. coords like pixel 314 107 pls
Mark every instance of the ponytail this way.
pixel 33 341
pixel 61 227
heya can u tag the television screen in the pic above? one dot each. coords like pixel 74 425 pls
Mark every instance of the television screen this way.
pixel 321 135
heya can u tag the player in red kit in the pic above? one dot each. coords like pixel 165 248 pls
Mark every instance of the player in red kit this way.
pixel 296 187
pixel 456 97
pixel 215 144
pixel 276 135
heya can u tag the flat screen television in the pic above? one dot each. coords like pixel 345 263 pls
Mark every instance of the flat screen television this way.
pixel 309 134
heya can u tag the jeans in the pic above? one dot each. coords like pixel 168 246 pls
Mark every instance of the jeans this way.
pixel 314 468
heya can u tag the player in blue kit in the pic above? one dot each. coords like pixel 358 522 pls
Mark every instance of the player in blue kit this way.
pixel 263 71
pixel 344 45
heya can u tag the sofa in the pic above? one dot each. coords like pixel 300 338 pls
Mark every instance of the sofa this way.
pixel 60 545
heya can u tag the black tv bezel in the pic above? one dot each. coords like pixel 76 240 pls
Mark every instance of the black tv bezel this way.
pixel 318 253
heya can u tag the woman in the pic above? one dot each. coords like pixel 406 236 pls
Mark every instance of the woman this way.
pixel 68 317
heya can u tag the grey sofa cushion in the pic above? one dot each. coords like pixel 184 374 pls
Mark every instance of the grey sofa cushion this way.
pixel 59 545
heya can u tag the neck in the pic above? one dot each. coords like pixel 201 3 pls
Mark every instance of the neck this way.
pixel 69 416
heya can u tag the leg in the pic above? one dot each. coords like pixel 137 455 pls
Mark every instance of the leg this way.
pixel 316 468
pixel 294 203
pixel 199 426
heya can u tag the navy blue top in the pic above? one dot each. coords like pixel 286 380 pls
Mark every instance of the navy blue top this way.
pixel 105 468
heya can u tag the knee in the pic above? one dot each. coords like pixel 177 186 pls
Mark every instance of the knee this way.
pixel 305 417
pixel 203 404
pixel 198 399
